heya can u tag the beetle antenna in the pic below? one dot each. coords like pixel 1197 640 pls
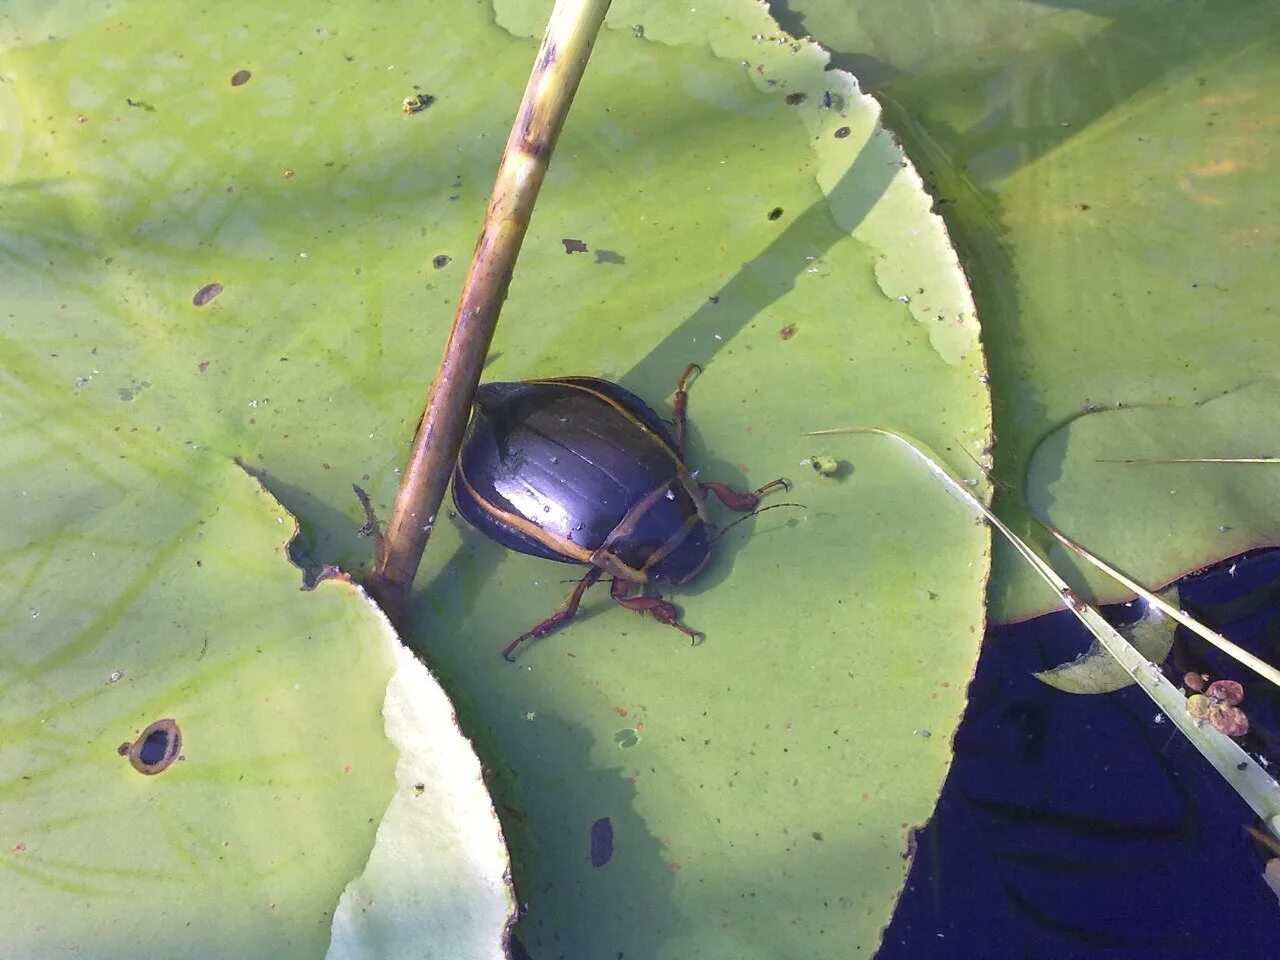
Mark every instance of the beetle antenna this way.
pixel 772 506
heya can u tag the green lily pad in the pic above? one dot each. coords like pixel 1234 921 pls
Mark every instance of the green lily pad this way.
pixel 134 606
pixel 1170 510
pixel 1106 173
pixel 740 208
pixel 738 776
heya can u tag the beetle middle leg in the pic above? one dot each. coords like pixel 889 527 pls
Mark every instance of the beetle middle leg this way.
pixel 560 617
pixel 736 499
pixel 655 606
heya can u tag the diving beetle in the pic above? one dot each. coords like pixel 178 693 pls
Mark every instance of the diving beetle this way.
pixel 581 470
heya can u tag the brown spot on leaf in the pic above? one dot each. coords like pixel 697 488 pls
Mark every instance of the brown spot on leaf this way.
pixel 775 213
pixel 842 132
pixel 441 261
pixel 787 332
pixel 206 293
pixel 1219 168
pixel 240 78
pixel 795 99
pixel 573 246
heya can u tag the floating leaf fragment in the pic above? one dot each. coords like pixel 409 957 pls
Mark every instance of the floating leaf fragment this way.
pixel 1096 671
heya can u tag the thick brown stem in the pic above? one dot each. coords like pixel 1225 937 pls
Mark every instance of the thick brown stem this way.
pixel 571 32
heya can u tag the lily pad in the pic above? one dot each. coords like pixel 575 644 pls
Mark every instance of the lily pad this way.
pixel 260 769
pixel 760 787
pixel 1171 510
pixel 838 637
pixel 1106 172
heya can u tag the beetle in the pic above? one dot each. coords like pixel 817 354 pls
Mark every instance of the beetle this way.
pixel 581 470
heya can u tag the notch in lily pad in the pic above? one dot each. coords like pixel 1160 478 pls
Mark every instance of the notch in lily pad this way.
pixel 155 749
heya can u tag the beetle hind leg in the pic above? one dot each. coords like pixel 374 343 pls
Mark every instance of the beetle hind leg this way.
pixel 661 610
pixel 557 619
pixel 737 499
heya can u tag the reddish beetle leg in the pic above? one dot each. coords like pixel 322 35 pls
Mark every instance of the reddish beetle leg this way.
pixel 560 617
pixel 736 499
pixel 680 404
pixel 656 607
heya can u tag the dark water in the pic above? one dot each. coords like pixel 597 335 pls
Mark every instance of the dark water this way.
pixel 1080 826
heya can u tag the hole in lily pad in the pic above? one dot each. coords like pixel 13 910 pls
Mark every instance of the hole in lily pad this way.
pixel 156 747
pixel 627 737
pixel 601 842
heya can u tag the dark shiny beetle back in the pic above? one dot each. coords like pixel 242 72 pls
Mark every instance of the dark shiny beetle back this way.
pixel 580 470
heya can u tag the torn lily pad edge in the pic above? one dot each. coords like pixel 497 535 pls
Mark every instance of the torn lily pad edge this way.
pixel 388 909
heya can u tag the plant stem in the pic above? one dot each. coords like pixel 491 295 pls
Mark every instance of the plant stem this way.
pixel 562 58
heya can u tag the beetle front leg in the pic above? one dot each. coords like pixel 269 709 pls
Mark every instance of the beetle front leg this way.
pixel 680 404
pixel 559 618
pixel 656 607
pixel 736 499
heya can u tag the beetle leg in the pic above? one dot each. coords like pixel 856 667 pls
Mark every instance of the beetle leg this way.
pixel 656 607
pixel 736 499
pixel 681 404
pixel 560 617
